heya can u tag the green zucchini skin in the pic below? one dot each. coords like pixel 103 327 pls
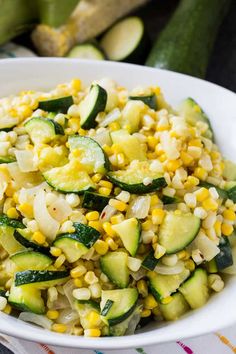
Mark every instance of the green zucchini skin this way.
pixel 150 261
pixel 6 221
pixel 186 43
pixel 94 201
pixel 150 100
pixel 7 159
pixel 30 244
pixel 35 276
pixel 61 104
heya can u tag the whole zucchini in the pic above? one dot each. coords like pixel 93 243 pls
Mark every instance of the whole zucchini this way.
pixel 186 42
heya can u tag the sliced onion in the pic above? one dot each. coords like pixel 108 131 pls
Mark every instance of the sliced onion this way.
pixel 134 321
pixel 68 289
pixel 23 179
pixel 139 207
pixel 27 195
pixel 47 224
pixel 39 320
pixel 60 209
pixel 206 246
pixel 167 270
pixel 25 160
pixel 111 117
pixel 107 213
pixel 61 302
pixel 141 273
pixel 68 316
pixel 103 138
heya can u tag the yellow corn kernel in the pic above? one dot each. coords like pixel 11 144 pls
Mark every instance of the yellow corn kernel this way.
pixel 12 213
pixel 92 216
pixel 104 191
pixel 195 142
pixel 38 237
pixel 183 255
pixel 76 153
pixel 52 314
pixel 227 229
pixel 101 247
pixel 161 128
pixel 154 200
pixel 78 282
pixel 190 265
pixel 59 261
pixel 174 134
pixel 186 158
pixel 158 216
pixel 76 84
pixel 7 309
pixel 156 90
pixel 55 251
pixel 25 111
pixel 96 225
pixel 10 191
pixel 146 313
pixel 215 155
pixel 93 332
pixel 146 225
pixel 116 219
pixel 173 165
pixel 200 173
pixel 159 251
pixel 78 271
pixel 59 327
pixel 116 149
pixel 94 319
pixel 74 124
pixel 229 215
pixel 192 181
pixel 105 184
pixel 151 155
pixel 150 302
pixel 108 229
pixel 158 150
pixel 217 227
pixel 114 126
pixel 166 300
pixel 142 288
pixel 82 132
pixel 156 311
pixel 202 194
pixel 210 204
pixel 111 243
pixel 26 209
pixel 16 198
pixel 162 157
pixel 96 178
pixel 107 150
pixel 118 204
pixel 152 142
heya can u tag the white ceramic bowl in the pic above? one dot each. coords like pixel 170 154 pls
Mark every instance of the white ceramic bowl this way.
pixel 219 104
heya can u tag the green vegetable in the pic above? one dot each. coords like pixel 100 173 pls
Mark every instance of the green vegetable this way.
pixel 150 261
pixel 7 159
pixel 107 307
pixel 150 100
pixel 222 193
pixel 43 130
pixel 224 259
pixel 174 309
pixel 8 241
pixel 26 298
pixel 61 104
pixel 94 201
pixel 41 278
pixel 23 236
pixel 31 260
pixel 186 43
pixel 114 265
pixel 86 51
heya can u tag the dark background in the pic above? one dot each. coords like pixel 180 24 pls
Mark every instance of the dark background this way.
pixel 222 66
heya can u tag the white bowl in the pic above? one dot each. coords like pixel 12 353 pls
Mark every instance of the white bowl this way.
pixel 218 103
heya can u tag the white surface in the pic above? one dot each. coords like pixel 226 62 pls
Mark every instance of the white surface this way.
pixel 218 103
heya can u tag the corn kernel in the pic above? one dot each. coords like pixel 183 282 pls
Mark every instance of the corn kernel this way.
pixel 142 288
pixel 159 251
pixel 96 178
pixel 113 246
pixel 150 302
pixel 200 173
pixel 12 213
pixel 217 227
pixel 105 184
pixel 82 132
pixel 166 300
pixel 26 209
pixel 195 142
pixel 101 247
pixel 210 204
pixel 192 181
pixel 96 225
pixel 108 229
pixel 162 157
pixel 190 265
pixel 146 225
pixel 16 197
pixel 78 282
pixel 158 216
pixel 94 319
pixel 25 111
pixel 78 271
pixel 59 261
pixel 117 204
pixel 116 219
pixel 156 311
pixel 59 327
pixel 152 142
pixel 76 84
pixel 10 191
pixel 202 194
pixel 154 200
pixel 92 216
pixel 229 215
pixel 114 126
pixel 146 313
pixel 7 309
pixel 78 331
pixel 39 237
pixel 104 191
pixel 90 278
pixel 183 255
pixel 186 158
pixel 173 165
pixel 52 314
pixel 94 332
pixel 55 251
pixel 227 229
pixel 107 150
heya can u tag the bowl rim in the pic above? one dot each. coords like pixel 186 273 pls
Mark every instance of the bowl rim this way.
pixel 139 339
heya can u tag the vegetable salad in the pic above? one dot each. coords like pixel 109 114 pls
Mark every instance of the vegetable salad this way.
pixel 116 209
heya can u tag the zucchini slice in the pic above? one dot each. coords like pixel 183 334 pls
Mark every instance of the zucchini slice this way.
pixel 94 103
pixel 86 51
pixel 163 286
pixel 133 178
pixel 107 307
pixel 224 259
pixel 178 231
pixel 6 221
pixel 150 261
pixel 8 241
pixel 193 113
pixel 229 172
pixel 129 144
pixel 41 279
pixel 23 236
pixel 59 105
pixel 31 260
pixel 126 41
pixel 174 309
pixel 149 100
pixel 195 290
pixel 7 159
pixel 94 201
pixel 84 308
pixel 43 130
pixel 114 265
pixel 129 231
pixel 124 302
pixel 91 155
pixel 26 298
pixel 232 194
pixel 166 199
pixel 69 178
